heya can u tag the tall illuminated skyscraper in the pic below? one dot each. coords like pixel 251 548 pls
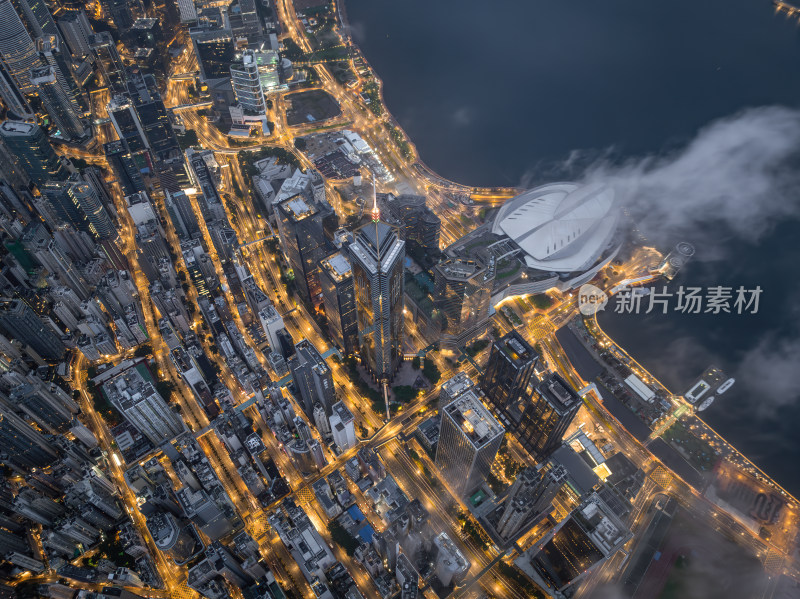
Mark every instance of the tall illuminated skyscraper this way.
pixel 21 445
pixel 77 203
pixel 508 372
pixel 54 52
pixel 17 50
pixel 12 97
pixel 545 415
pixel 463 290
pixel 246 84
pixel 34 154
pixel 468 442
pixel 20 322
pixel 377 256
pixel 57 102
pixel 85 197
pixel 301 227
pixel 338 292
pixel 37 18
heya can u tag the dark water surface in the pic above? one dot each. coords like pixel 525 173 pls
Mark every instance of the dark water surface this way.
pixel 505 92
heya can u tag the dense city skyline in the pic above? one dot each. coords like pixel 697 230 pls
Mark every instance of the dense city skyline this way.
pixel 252 347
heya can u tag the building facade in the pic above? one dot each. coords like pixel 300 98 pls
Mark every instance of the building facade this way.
pixel 29 144
pixel 20 322
pixel 377 256
pixel 469 439
pixel 301 225
pixel 508 371
pixel 339 298
pixel 463 292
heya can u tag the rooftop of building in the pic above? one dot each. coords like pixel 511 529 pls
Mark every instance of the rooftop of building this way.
pixel 460 269
pixel 514 345
pixel 558 393
pixel 474 419
pixel 580 475
pixel 560 227
pixel 448 550
pixel 341 410
pixel 144 23
pixel 458 384
pixel 11 128
pixel 42 74
pixel 338 266
pixel 601 524
pixel 297 208
pixel 374 242
pixel 311 354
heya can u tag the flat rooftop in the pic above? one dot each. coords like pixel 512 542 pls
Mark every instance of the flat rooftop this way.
pixel 338 266
pixel 343 412
pixel 458 384
pixel 459 269
pixel 558 393
pixel 297 208
pixel 17 127
pixel 474 419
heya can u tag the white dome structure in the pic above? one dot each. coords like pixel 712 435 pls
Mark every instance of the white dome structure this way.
pixel 560 227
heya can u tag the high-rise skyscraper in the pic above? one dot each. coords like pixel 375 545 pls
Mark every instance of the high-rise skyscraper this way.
pixel 124 165
pixel 246 84
pixel 16 103
pixel 179 207
pixel 20 322
pixel 376 257
pixel 57 103
pixel 546 415
pixel 453 388
pixel 86 198
pixel 342 426
pixel 540 414
pixel 531 494
pixel 118 11
pixel 469 439
pixel 138 401
pixel 77 31
pixel 152 116
pixel 49 406
pixel 301 225
pixel 54 53
pixel 17 50
pixel 29 144
pixel 37 18
pixel 78 203
pixel 581 542
pixel 108 62
pixel 339 297
pixel 463 291
pixel 126 122
pixel 21 445
pixel 313 378
pixel 50 256
pixel 508 372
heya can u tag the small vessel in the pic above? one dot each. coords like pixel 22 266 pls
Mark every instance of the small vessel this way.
pixel 706 403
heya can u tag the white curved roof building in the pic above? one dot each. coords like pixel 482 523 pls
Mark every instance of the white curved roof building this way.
pixel 560 227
